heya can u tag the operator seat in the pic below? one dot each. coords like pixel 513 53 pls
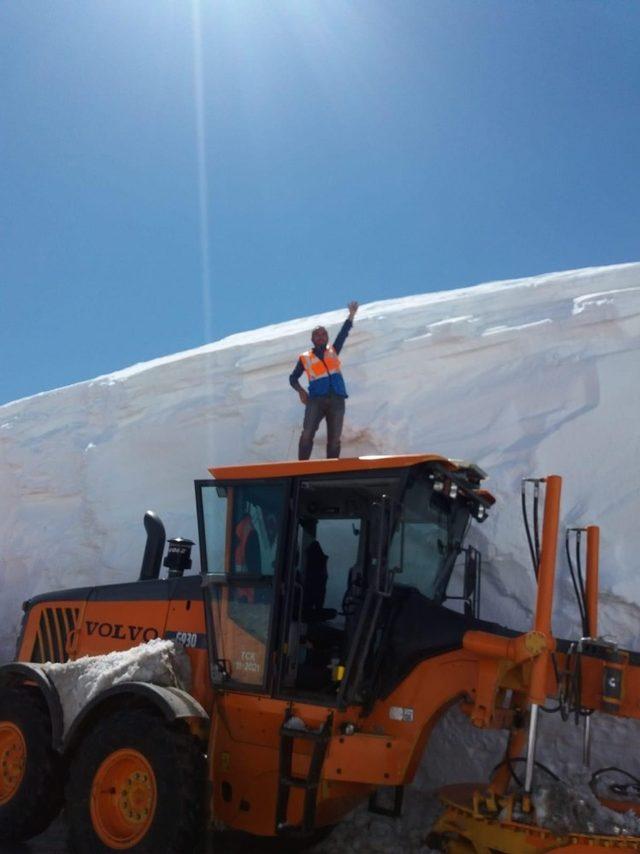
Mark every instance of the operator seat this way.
pixel 314 588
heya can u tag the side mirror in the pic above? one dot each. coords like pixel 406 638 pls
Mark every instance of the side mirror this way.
pixel 471 584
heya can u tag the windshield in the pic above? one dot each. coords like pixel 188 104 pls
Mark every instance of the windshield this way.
pixel 427 537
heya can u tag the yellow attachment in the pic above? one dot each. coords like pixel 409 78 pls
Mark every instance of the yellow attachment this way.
pixel 471 824
pixel 535 642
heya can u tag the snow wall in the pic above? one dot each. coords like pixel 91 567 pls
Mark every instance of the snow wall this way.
pixel 527 377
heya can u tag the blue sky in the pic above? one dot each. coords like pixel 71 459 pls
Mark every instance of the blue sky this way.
pixel 173 172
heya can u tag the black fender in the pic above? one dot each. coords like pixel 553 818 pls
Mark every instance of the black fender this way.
pixel 172 703
pixel 18 673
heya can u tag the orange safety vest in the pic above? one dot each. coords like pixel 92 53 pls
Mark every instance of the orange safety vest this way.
pixel 324 375
pixel 244 529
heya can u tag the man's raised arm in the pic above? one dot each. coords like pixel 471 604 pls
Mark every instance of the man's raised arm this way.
pixel 341 337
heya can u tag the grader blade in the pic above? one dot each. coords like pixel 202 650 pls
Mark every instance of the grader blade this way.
pixel 469 826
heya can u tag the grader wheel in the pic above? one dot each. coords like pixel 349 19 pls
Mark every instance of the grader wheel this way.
pixel 136 784
pixel 30 770
pixel 123 799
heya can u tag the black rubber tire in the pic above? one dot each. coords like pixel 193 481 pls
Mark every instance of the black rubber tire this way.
pixel 179 766
pixel 38 799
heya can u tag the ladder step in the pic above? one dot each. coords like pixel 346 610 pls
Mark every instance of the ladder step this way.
pixel 287 780
pixel 299 782
pixel 308 734
pixel 289 830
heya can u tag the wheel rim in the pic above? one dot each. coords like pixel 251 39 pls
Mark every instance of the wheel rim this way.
pixel 13 755
pixel 123 799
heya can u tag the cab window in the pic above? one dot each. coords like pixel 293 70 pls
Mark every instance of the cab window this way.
pixel 427 538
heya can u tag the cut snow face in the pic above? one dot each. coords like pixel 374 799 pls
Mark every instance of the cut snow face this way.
pixel 160 662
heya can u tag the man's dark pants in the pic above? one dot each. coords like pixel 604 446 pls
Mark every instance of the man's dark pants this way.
pixel 330 407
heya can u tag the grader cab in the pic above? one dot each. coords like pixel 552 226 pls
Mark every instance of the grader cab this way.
pixel 304 577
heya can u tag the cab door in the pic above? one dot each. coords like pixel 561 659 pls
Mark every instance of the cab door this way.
pixel 242 532
pixel 243 529
pixel 338 581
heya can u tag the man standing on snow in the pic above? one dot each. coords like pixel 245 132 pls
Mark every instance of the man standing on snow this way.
pixel 326 394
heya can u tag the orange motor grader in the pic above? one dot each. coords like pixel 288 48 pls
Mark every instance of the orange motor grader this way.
pixel 323 650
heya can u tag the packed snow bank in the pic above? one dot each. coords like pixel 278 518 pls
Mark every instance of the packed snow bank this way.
pixel 562 808
pixel 526 377
pixel 160 662
pixel 363 831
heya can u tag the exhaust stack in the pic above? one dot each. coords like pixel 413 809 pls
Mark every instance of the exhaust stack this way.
pixel 154 548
